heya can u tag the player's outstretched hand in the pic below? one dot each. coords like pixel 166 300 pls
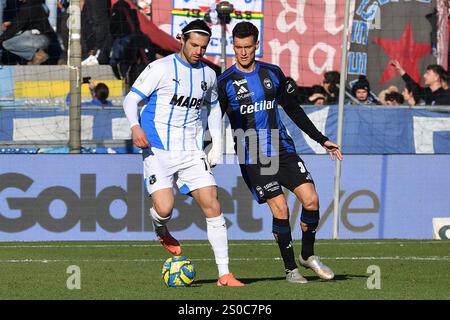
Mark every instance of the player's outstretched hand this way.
pixel 214 155
pixel 333 150
pixel 139 137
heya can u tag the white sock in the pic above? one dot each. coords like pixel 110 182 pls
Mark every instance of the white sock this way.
pixel 159 223
pixel 217 235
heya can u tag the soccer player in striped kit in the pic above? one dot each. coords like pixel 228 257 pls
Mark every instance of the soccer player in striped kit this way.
pixel 249 92
pixel 169 130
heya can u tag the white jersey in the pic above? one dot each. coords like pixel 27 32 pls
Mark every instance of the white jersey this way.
pixel 174 93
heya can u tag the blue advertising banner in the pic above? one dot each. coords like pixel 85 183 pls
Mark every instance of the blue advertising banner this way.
pixel 377 130
pixel 367 129
pixel 102 197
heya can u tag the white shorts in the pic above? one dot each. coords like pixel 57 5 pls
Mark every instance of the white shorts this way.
pixel 190 169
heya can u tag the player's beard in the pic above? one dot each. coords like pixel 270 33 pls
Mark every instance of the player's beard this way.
pixel 188 57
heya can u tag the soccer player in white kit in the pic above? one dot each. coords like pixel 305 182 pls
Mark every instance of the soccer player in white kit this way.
pixel 169 130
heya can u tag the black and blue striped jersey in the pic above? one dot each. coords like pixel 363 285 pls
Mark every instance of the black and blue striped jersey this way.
pixel 251 102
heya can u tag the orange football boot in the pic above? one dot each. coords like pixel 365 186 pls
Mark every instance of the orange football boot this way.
pixel 171 244
pixel 228 280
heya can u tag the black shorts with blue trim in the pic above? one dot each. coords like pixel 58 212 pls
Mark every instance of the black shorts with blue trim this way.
pixel 291 173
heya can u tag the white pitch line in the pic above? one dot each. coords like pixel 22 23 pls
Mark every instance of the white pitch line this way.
pixel 408 258
pixel 108 245
pixel 207 244
pixel 430 258
pixel 119 260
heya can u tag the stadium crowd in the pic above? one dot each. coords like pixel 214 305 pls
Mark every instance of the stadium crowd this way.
pixel 435 93
pixel 111 35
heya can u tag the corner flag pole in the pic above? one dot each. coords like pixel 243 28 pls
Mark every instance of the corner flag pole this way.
pixel 343 80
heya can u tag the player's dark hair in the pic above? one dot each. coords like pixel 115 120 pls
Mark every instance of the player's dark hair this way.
pixel 197 26
pixel 245 29
pixel 101 91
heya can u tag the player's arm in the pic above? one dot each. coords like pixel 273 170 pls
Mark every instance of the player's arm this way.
pixel 215 126
pixel 287 96
pixel 223 97
pixel 215 129
pixel 130 106
pixel 144 85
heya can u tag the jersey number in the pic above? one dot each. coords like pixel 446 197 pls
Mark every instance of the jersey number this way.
pixel 302 167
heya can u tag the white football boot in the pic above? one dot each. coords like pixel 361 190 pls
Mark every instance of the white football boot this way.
pixel 314 263
pixel 294 276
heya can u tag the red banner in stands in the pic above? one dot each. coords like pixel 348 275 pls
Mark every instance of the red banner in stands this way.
pixel 302 37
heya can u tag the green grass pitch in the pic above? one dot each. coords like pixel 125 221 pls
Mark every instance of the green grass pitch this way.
pixel 132 270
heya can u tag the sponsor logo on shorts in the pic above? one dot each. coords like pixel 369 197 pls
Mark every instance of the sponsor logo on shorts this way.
pixel 272 186
pixel 152 179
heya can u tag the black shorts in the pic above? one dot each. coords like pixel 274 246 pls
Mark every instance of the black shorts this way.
pixel 291 173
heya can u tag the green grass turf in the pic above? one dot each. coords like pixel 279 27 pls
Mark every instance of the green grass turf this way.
pixel 132 270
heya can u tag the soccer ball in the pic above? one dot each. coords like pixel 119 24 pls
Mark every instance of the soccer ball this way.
pixel 178 271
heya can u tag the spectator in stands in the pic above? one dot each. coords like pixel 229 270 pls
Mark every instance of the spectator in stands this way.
pixel 145 6
pixel 96 37
pixel 2 8
pixel 394 99
pixel 99 94
pixel 361 91
pixel 434 93
pixel 63 29
pixel 124 28
pixel 444 81
pixel 331 85
pixel 383 93
pixel 318 95
pixel 132 50
pixel 29 33
pixel 411 96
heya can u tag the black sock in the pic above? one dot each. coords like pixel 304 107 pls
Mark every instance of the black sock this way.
pixel 308 239
pixel 282 233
